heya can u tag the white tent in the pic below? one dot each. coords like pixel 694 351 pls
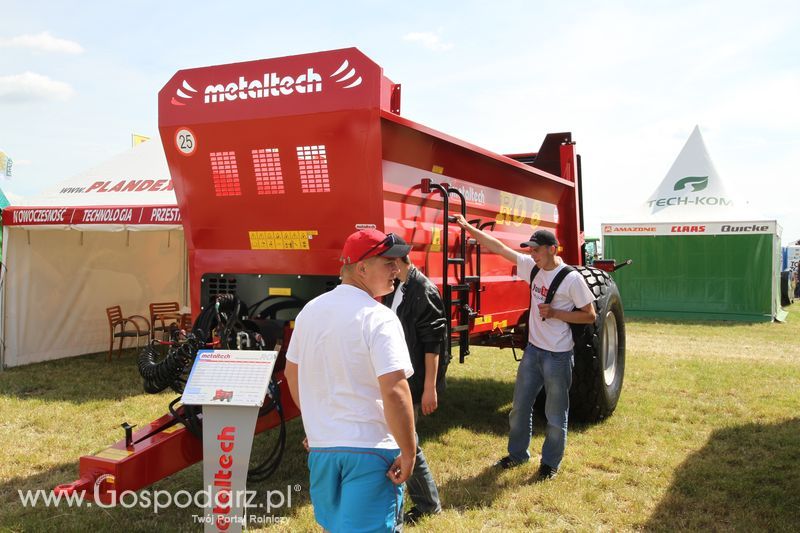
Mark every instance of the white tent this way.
pixel 109 236
pixel 698 251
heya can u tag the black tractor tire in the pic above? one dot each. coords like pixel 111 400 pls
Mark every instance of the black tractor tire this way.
pixel 599 352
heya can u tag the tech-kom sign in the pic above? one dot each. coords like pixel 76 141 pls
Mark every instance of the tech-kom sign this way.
pixel 683 193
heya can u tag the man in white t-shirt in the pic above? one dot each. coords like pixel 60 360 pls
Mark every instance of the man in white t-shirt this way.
pixel 347 367
pixel 548 358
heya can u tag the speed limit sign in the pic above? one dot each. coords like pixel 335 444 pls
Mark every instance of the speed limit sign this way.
pixel 185 141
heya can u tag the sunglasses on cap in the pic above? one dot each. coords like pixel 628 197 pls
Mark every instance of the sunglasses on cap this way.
pixel 387 243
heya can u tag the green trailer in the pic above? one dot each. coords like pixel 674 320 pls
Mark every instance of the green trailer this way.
pixel 699 271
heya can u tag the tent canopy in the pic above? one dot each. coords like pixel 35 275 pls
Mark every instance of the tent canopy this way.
pixel 58 283
pixel 698 250
pixel 132 191
pixel 692 190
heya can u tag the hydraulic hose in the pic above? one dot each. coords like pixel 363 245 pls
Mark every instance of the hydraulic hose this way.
pixel 168 372
pixel 225 316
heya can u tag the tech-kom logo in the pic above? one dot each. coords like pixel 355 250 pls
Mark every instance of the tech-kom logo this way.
pixel 698 183
pixel 273 84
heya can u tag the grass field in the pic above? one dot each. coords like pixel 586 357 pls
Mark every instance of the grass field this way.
pixel 706 437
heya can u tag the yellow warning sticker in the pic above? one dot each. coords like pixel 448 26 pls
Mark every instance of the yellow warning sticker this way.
pixel 485 319
pixel 280 291
pixel 437 169
pixel 281 240
pixel 114 454
pixel 172 429
pixel 436 240
pixel 502 324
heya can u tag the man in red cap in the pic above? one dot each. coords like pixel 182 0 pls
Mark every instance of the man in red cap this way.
pixel 548 358
pixel 347 367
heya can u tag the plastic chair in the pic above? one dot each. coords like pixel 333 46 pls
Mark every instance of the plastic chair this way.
pixel 116 319
pixel 186 321
pixel 163 315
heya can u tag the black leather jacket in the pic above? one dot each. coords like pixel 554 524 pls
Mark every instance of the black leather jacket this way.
pixel 422 314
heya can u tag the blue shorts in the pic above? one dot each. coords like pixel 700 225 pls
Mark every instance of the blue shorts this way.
pixel 350 491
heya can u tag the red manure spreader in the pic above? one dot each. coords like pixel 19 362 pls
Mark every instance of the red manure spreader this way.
pixel 274 163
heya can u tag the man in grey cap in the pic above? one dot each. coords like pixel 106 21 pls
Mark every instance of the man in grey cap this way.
pixel 419 306
pixel 548 358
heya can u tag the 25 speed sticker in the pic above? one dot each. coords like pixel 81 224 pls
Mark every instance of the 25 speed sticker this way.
pixel 185 141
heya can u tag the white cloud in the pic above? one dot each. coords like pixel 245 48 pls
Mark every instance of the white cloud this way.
pixel 42 42
pixel 30 87
pixel 429 40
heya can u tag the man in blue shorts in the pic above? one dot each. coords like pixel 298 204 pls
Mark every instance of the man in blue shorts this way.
pixel 347 367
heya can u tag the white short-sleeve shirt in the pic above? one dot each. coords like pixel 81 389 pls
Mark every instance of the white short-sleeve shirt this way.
pixel 342 341
pixel 552 334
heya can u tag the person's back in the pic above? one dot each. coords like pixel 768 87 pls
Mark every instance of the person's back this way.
pixel 342 329
pixel 347 367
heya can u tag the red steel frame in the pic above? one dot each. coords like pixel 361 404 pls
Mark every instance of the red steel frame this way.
pixel 374 161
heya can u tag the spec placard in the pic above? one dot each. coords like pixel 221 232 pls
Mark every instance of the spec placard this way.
pixel 229 377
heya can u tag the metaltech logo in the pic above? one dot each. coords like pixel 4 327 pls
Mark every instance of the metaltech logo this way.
pixel 179 92
pixel 272 84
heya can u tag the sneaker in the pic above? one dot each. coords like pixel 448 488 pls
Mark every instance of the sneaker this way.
pixel 507 462
pixel 414 515
pixel 547 472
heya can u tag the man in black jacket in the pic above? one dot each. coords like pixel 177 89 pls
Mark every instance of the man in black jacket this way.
pixel 419 307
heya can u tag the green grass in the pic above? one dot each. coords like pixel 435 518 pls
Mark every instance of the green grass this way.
pixel 706 437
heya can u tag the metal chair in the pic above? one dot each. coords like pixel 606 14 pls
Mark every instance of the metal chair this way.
pixel 115 319
pixel 164 316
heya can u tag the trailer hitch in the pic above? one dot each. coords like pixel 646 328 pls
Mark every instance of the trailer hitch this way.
pixel 608 265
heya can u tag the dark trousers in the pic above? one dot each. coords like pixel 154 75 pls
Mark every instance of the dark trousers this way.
pixel 421 486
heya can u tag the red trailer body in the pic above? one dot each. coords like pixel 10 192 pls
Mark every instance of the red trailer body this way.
pixel 275 162
pixel 288 156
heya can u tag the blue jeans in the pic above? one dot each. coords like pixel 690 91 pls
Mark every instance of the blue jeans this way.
pixel 553 371
pixel 421 486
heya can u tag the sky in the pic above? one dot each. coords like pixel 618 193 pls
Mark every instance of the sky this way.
pixel 629 79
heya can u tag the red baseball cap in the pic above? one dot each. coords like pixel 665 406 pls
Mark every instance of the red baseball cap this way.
pixel 367 243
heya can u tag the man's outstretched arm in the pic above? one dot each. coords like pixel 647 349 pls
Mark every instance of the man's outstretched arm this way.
pixel 487 241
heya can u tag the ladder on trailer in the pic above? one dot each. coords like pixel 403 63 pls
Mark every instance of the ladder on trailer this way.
pixel 456 294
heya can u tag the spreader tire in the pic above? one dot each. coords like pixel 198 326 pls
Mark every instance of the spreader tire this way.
pixel 599 352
